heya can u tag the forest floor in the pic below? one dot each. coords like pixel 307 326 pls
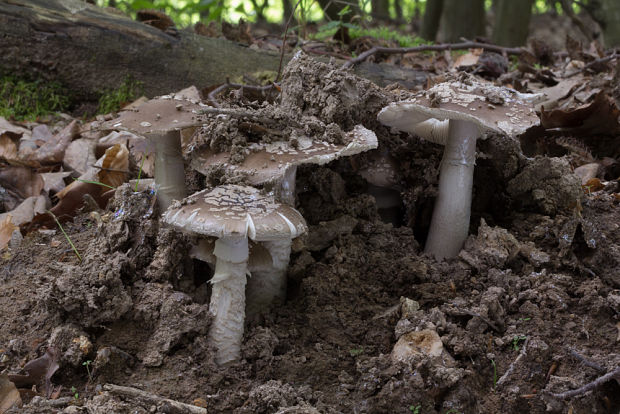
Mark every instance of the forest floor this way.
pixel 371 324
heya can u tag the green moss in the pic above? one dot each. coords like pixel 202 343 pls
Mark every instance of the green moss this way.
pixel 381 32
pixel 25 99
pixel 112 100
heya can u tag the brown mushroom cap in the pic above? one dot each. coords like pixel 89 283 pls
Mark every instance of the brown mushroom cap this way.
pixel 493 108
pixel 270 162
pixel 162 114
pixel 234 210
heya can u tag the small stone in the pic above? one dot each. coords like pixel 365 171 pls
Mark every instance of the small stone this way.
pixel 425 343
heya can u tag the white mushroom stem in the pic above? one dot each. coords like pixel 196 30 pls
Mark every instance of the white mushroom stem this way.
pixel 169 168
pixel 228 298
pixel 266 286
pixel 433 130
pixel 285 191
pixel 450 222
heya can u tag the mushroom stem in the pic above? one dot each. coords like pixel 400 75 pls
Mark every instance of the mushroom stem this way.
pixel 450 222
pixel 269 285
pixel 169 168
pixel 228 298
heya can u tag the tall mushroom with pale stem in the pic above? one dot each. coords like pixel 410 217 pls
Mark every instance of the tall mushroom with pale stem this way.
pixel 233 214
pixel 472 108
pixel 160 120
pixel 275 165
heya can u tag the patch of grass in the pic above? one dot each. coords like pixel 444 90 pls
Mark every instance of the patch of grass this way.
pixel 388 33
pixel 75 250
pixel 112 100
pixel 24 99
pixel 494 373
pixel 415 409
pixel 516 341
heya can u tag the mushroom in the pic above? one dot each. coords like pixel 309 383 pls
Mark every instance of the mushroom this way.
pixel 160 120
pixel 275 164
pixel 233 214
pixel 472 108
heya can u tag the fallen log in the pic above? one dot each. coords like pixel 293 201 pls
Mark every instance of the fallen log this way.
pixel 88 49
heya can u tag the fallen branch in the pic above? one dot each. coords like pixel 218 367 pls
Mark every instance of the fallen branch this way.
pixel 435 48
pixel 512 366
pixel 586 361
pixel 176 406
pixel 615 374
pixel 596 62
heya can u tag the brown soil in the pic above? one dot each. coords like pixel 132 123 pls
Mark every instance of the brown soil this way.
pixel 540 272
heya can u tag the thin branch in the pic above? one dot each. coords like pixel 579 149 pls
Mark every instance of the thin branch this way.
pixel 512 366
pixel 284 40
pixel 436 48
pixel 596 62
pixel 615 374
pixel 586 361
pixel 213 94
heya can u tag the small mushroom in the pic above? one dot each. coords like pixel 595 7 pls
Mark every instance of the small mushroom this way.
pixel 466 104
pixel 276 163
pixel 160 120
pixel 233 214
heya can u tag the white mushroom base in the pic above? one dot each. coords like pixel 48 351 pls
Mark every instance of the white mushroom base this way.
pixel 228 298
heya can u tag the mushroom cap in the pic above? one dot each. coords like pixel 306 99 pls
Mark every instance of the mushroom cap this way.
pixel 236 211
pixel 491 107
pixel 270 162
pixel 162 114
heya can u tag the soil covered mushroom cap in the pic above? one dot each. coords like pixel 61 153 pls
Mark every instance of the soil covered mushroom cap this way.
pixel 234 210
pixel 492 108
pixel 161 114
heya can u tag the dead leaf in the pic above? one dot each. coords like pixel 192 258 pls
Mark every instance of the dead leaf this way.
pixel 6 232
pixel 468 59
pixel 599 117
pixel 80 155
pixel 27 210
pixel 54 181
pixel 115 166
pixel 53 148
pixel 13 130
pixel 8 148
pixel 20 183
pixel 38 371
pixel 9 396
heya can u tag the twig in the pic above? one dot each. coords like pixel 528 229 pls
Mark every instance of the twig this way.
pixel 212 95
pixel 586 361
pixel 152 399
pixel 511 368
pixel 427 48
pixel 593 63
pixel 288 22
pixel 615 374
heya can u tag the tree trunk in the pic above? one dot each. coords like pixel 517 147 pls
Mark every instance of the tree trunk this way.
pixel 88 49
pixel 611 17
pixel 512 21
pixel 380 9
pixel 430 22
pixel 462 18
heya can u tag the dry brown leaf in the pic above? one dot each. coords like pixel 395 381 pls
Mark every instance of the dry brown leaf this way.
pixel 27 210
pixel 599 117
pixel 80 155
pixel 6 232
pixel 20 183
pixel 53 149
pixel 54 181
pixel 38 371
pixel 8 148
pixel 115 166
pixel 15 131
pixel 468 59
pixel 9 396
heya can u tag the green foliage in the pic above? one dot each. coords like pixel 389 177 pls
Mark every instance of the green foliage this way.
pixel 494 373
pixel 111 100
pixel 517 340
pixel 415 409
pixel 24 99
pixel 75 393
pixel 356 351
